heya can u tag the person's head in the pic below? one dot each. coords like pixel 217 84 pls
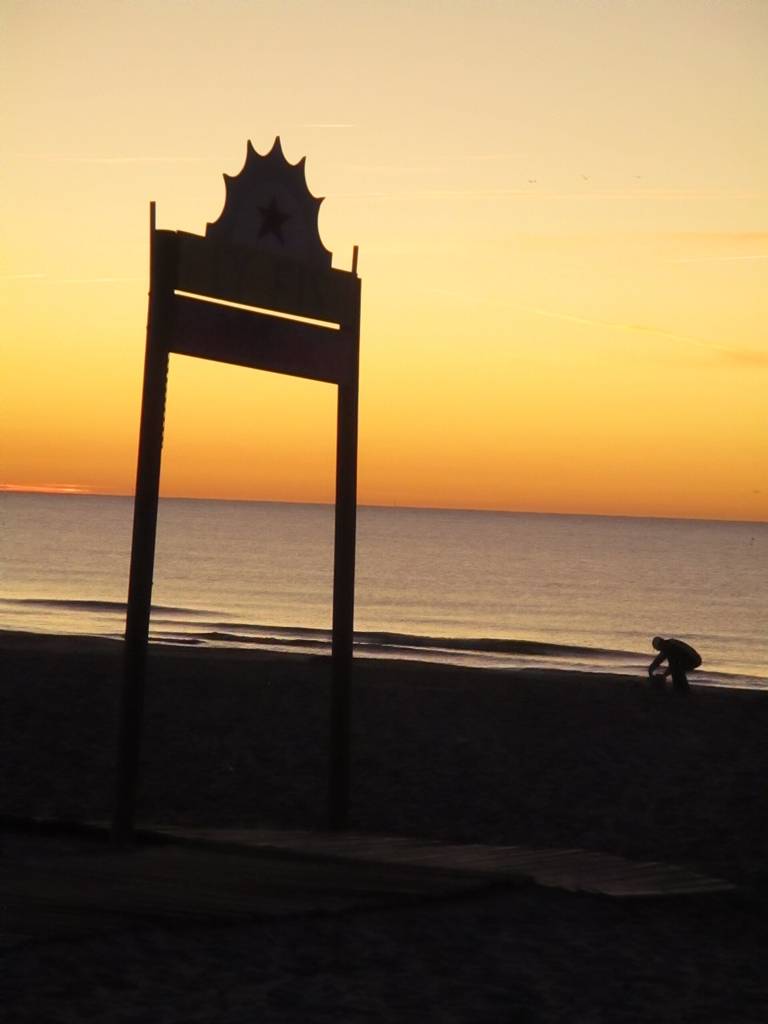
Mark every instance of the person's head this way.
pixel 657 642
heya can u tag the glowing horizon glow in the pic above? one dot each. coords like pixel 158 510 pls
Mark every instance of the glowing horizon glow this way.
pixel 562 216
pixel 63 490
pixel 46 489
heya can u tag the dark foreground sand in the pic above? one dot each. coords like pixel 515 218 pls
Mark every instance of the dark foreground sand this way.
pixel 238 739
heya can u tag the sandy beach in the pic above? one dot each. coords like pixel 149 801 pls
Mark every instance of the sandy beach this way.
pixel 237 739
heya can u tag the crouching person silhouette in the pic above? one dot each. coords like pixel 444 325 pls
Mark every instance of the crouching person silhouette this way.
pixel 680 657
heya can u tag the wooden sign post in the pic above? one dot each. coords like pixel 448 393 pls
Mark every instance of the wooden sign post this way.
pixel 256 290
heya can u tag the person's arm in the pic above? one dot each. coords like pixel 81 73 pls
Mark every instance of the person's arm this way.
pixel 656 662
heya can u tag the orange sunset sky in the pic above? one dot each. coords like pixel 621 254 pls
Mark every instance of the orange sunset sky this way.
pixel 562 213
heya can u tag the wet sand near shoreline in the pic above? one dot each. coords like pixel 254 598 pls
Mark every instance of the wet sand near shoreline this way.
pixel 237 739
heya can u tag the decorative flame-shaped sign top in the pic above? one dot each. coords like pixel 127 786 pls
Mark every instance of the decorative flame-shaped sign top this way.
pixel 269 207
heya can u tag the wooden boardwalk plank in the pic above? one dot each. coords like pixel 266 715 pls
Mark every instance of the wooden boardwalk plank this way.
pixel 76 887
pixel 576 870
pixel 100 889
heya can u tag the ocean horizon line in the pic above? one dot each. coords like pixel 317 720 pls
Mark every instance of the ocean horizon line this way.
pixel 4 489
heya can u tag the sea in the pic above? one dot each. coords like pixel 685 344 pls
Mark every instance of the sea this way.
pixel 495 590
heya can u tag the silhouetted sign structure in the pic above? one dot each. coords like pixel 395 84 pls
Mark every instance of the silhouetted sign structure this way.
pixel 257 290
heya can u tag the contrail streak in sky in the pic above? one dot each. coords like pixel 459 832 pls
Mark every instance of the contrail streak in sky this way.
pixel 744 356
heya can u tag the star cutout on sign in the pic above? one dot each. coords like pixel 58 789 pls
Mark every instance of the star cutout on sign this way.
pixel 272 220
